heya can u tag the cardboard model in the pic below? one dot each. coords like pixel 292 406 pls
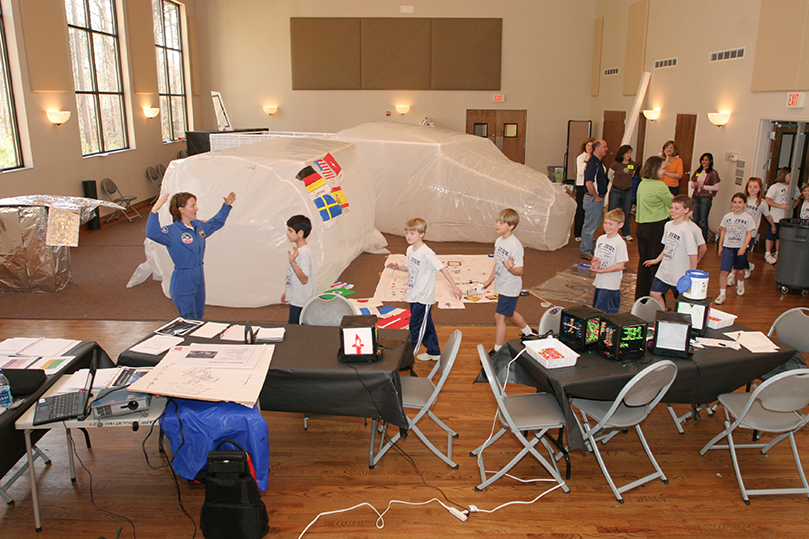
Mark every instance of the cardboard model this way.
pixel 457 183
pixel 246 261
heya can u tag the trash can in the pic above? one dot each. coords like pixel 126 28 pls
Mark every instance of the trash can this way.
pixel 91 191
pixel 793 256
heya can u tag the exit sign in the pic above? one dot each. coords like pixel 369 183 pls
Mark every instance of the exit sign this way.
pixel 499 98
pixel 796 100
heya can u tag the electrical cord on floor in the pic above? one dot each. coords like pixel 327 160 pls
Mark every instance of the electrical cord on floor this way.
pixel 92 497
pixel 117 535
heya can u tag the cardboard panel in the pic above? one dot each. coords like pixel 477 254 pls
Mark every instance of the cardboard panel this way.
pixel 396 54
pixel 48 57
pixel 326 53
pixel 635 56
pixel 779 45
pixel 141 46
pixel 596 70
pixel 466 54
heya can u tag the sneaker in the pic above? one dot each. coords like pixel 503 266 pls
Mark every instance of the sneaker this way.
pixel 578 239
pixel 586 256
pixel 720 299
pixel 740 288
pixel 427 357
pixel 731 279
pixel 529 336
pixel 629 237
pixel 769 258
pixel 749 270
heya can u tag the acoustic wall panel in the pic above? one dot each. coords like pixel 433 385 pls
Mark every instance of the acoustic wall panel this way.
pixel 396 54
pixel 635 56
pixel 141 48
pixel 595 82
pixel 326 53
pixel 780 43
pixel 466 54
pixel 193 54
pixel 45 34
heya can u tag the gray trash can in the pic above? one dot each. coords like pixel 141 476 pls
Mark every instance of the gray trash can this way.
pixel 793 256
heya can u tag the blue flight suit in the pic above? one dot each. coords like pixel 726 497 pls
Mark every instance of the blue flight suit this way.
pixel 187 250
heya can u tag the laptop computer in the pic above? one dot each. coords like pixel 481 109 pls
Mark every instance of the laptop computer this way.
pixel 67 405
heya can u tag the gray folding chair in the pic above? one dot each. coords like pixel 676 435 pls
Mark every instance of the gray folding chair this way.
pixel 646 308
pixel 326 310
pixel 161 170
pixel 632 405
pixel 155 178
pixel 534 412
pixel 551 321
pixel 421 394
pixel 115 195
pixel 792 328
pixel 775 406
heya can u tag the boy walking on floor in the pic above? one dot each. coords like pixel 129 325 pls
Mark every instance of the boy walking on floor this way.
pixel 300 283
pixel 507 276
pixel 608 263
pixel 680 251
pixel 421 266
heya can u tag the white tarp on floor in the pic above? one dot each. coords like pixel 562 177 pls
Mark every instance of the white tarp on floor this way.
pixel 457 183
pixel 246 261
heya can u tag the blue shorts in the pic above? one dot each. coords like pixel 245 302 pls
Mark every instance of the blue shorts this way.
pixel 294 314
pixel 506 305
pixel 660 286
pixel 731 259
pixel 770 235
pixel 608 301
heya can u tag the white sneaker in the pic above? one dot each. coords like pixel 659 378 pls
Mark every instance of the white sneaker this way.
pixel 731 279
pixel 769 258
pixel 427 357
pixel 629 237
pixel 578 239
pixel 720 299
pixel 740 288
pixel 749 270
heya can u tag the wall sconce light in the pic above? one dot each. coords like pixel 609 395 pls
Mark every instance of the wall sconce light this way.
pixel 652 115
pixel 270 109
pixel 58 117
pixel 719 118
pixel 402 109
pixel 151 112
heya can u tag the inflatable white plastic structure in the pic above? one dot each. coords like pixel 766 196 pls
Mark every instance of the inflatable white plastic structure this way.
pixel 246 261
pixel 457 183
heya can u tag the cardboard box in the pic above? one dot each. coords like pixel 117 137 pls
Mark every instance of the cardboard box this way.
pixel 720 319
pixel 551 353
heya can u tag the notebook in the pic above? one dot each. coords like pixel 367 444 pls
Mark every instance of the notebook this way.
pixel 67 405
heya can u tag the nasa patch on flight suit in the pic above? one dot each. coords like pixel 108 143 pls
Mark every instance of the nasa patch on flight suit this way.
pixel 186 238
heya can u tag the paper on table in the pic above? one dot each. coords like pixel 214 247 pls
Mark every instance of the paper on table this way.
pixel 49 347
pixel 722 343
pixel 233 333
pixel 270 334
pixel 755 341
pixel 13 345
pixel 156 344
pixel 219 356
pixel 210 330
pixel 51 365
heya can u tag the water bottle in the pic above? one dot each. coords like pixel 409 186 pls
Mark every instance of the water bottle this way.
pixel 5 392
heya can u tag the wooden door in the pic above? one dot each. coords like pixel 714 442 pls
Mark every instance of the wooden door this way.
pixel 506 128
pixel 577 132
pixel 613 133
pixel 684 129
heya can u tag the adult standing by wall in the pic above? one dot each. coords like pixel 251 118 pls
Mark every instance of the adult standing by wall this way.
pixel 778 199
pixel 674 167
pixel 653 203
pixel 621 172
pixel 595 184
pixel 581 163
pixel 705 184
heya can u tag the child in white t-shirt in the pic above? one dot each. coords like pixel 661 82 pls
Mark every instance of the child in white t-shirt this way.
pixel 805 205
pixel 609 258
pixel 300 282
pixel 680 251
pixel 735 234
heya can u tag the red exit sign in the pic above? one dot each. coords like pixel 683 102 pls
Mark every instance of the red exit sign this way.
pixel 796 100
pixel 499 98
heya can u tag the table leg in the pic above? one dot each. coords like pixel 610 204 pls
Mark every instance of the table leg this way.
pixel 30 452
pixel 70 456
pixel 373 442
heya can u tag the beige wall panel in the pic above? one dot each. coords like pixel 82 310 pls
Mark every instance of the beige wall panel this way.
pixel 779 45
pixel 466 54
pixel 396 54
pixel 141 46
pixel 48 58
pixel 598 35
pixel 635 58
pixel 193 53
pixel 325 53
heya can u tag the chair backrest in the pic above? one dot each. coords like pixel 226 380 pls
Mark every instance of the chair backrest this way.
pixel 152 174
pixel 785 392
pixel 448 354
pixel 161 170
pixel 646 308
pixel 792 328
pixel 551 321
pixel 497 390
pixel 109 187
pixel 648 386
pixel 326 310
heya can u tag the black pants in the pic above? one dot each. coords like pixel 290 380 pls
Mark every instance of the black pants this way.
pixel 578 221
pixel 649 247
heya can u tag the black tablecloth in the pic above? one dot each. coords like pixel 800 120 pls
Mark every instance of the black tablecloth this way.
pixel 12 441
pixel 700 378
pixel 306 376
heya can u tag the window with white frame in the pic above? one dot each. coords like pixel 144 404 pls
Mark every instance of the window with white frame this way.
pixel 170 68
pixel 10 154
pixel 95 50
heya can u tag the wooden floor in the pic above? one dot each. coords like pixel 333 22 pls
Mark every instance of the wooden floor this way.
pixel 326 469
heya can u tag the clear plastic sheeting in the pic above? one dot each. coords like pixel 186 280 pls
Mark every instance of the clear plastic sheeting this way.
pixel 27 262
pixel 574 286
pixel 246 261
pixel 457 183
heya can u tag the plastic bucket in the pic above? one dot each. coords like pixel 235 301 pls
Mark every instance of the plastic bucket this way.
pixel 694 284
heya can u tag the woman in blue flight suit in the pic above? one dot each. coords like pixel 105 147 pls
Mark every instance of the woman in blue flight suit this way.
pixel 185 241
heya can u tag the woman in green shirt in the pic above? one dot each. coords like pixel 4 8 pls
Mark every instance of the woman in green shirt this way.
pixel 652 212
